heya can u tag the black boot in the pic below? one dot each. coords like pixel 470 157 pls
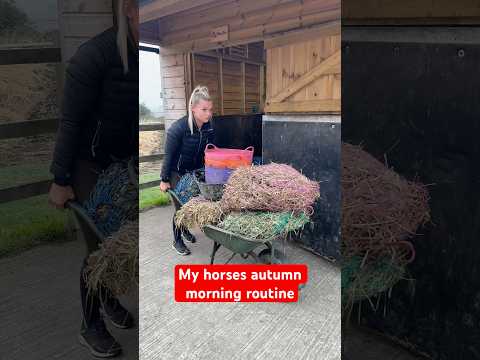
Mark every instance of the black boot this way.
pixel 98 340
pixel 180 247
pixel 188 237
pixel 117 314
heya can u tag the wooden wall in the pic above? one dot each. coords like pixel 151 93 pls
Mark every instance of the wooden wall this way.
pixel 174 83
pixel 304 76
pixel 235 85
pixel 248 21
pixel 410 12
pixel 80 20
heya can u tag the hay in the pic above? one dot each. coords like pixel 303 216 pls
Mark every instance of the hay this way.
pixel 379 208
pixel 273 187
pixel 198 212
pixel 115 264
pixel 263 226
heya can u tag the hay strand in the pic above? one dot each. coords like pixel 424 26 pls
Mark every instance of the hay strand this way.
pixel 198 212
pixel 380 209
pixel 115 264
pixel 272 187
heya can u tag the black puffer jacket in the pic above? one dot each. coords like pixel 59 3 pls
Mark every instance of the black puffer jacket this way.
pixel 185 151
pixel 100 106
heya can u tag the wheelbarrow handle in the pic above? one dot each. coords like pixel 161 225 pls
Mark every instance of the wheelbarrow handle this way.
pixel 83 218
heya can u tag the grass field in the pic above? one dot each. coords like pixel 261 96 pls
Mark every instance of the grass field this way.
pixel 29 222
pixel 153 196
pixel 26 223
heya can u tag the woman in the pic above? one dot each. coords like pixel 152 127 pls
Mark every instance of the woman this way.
pixel 99 123
pixel 184 150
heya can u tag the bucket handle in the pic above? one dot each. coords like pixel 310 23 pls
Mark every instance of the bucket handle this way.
pixel 250 148
pixel 210 147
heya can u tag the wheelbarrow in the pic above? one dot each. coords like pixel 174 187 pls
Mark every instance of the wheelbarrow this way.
pixel 86 224
pixel 243 246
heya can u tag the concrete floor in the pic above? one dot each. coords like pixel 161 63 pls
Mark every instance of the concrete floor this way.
pixel 40 306
pixel 309 329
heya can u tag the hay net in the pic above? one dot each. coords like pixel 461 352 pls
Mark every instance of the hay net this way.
pixel 187 188
pixel 114 199
pixel 263 226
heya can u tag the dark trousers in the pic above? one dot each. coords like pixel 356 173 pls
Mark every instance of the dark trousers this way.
pixel 84 178
pixel 177 233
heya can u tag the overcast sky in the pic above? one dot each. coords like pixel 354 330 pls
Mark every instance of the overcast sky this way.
pixel 150 81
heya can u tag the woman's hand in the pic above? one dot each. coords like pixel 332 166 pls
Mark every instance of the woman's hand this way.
pixel 164 186
pixel 59 195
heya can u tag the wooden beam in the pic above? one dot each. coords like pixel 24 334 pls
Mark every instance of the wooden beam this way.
pixel 152 127
pixel 331 28
pixel 161 8
pixel 257 33
pixel 262 88
pixel 230 58
pixel 242 87
pixel 149 184
pixel 277 14
pixel 308 77
pixel 24 191
pixel 30 56
pixel 220 84
pixel 27 128
pixel 309 106
pixel 151 158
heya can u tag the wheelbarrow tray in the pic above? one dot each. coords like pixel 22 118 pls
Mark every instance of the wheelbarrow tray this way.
pixel 234 242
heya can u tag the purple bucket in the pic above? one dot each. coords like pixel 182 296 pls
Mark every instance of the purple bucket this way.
pixel 216 175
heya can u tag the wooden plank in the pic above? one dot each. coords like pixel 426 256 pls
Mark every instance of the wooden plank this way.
pixel 174 82
pixel 320 106
pixel 27 128
pixel 173 71
pixel 315 32
pixel 257 33
pixel 171 60
pixel 149 184
pixel 161 8
pixel 29 56
pixel 220 85
pixel 152 127
pixel 151 158
pixel 308 77
pixel 24 191
pixel 187 59
pixel 262 88
pixel 288 11
pixel 418 11
pixel 174 93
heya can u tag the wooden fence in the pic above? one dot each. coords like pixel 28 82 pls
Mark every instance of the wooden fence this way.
pixel 30 55
pixel 151 158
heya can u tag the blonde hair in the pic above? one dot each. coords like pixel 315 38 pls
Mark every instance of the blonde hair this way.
pixel 199 93
pixel 121 24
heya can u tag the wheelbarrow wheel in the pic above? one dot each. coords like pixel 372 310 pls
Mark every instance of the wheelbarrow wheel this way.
pixel 265 256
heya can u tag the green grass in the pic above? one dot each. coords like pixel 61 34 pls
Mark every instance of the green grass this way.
pixel 30 222
pixel 152 197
